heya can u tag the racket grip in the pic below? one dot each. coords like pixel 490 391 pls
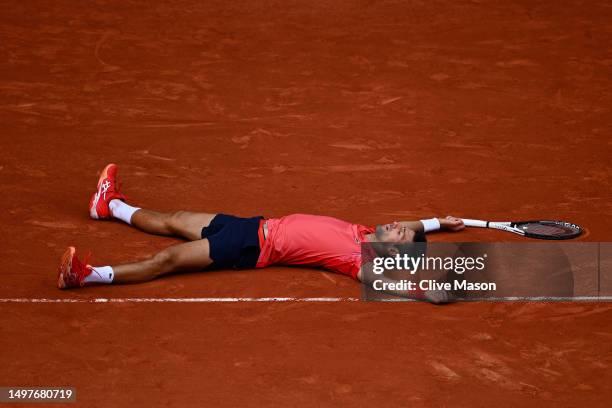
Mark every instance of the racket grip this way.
pixel 475 223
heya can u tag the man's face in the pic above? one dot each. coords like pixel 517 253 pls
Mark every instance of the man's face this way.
pixel 394 232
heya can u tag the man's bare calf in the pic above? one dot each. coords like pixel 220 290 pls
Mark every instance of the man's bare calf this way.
pixel 190 256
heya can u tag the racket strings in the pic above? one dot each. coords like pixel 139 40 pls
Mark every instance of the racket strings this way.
pixel 551 230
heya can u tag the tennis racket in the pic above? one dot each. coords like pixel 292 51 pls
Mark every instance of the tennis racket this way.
pixel 533 229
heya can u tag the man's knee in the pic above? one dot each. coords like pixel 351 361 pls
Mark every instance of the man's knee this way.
pixel 166 261
pixel 175 221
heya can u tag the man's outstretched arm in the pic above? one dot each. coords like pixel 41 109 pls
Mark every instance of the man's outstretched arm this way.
pixel 446 224
pixel 367 277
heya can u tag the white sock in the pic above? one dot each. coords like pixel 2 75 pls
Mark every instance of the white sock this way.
pixel 121 210
pixel 100 274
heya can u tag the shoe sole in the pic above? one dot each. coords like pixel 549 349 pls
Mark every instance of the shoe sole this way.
pixel 103 175
pixel 65 266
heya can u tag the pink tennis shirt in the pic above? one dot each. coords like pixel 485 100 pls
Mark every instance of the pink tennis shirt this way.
pixel 314 240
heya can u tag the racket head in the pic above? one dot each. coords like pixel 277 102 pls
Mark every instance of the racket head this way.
pixel 548 229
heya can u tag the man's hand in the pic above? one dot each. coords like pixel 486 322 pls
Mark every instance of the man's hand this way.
pixel 451 224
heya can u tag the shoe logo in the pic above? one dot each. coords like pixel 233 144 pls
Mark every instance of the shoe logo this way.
pixel 104 187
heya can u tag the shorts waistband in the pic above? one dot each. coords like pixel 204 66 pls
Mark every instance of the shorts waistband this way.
pixel 262 232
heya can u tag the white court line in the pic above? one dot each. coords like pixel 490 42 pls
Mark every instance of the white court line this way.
pixel 514 299
pixel 177 300
pixel 546 298
pixel 284 299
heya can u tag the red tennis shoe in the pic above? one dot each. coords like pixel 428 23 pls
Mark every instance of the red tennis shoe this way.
pixel 107 190
pixel 72 272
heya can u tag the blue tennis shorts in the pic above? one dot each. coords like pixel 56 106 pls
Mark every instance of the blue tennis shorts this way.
pixel 234 241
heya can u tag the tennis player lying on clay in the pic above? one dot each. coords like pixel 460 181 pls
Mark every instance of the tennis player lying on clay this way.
pixel 220 241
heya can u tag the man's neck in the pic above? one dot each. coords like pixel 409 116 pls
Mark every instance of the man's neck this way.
pixel 371 237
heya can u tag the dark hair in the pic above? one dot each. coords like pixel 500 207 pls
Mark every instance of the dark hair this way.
pixel 420 236
pixel 405 248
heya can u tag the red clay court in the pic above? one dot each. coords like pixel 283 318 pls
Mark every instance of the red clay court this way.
pixel 366 111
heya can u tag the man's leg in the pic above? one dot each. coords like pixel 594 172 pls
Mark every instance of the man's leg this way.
pixel 190 256
pixel 108 202
pixel 184 224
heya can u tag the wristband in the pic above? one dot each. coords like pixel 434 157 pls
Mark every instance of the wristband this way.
pixel 432 224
